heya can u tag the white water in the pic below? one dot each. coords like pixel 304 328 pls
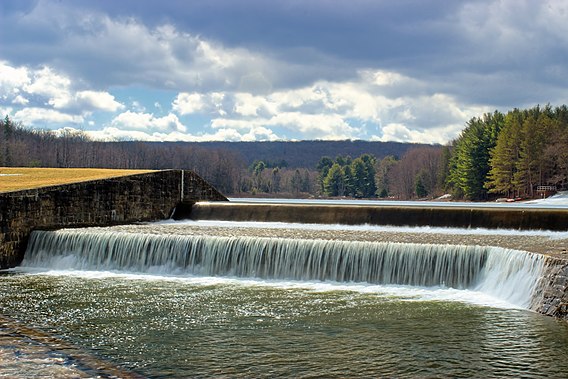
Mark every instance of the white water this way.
pixel 366 227
pixel 559 200
pixel 464 273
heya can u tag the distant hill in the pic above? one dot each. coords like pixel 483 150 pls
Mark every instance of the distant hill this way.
pixel 307 153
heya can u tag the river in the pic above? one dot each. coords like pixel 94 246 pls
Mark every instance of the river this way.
pixel 162 316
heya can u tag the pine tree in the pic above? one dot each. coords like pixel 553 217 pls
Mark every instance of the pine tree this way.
pixel 504 156
pixel 469 165
pixel 333 184
pixel 530 165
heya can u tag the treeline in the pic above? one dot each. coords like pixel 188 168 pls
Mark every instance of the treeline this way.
pixel 495 155
pixel 24 147
pixel 510 154
pixel 306 154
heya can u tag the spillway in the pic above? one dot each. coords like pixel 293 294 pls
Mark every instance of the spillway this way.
pixel 492 216
pixel 504 273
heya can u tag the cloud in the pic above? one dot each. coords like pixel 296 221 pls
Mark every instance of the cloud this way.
pixel 295 70
pixel 111 133
pixel 12 79
pixel 53 86
pixel 337 110
pixel 97 100
pixel 34 116
pixel 127 51
pixel 51 89
pixel 20 100
pixel 147 122
pixel 188 103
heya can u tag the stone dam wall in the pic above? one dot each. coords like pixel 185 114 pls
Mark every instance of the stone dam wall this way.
pixel 120 200
pixel 552 296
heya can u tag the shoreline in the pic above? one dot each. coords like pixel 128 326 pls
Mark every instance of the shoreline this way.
pixel 26 352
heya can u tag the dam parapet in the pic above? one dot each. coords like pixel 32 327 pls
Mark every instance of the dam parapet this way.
pixel 119 200
pixel 515 218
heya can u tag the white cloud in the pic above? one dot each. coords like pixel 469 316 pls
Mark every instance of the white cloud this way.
pixel 98 100
pixel 12 79
pixel 51 90
pixel 147 122
pixel 383 78
pixel 247 105
pixel 323 110
pixel 188 103
pixel 35 116
pixel 255 94
pixel 191 103
pixel 20 100
pixel 55 87
pixel 112 133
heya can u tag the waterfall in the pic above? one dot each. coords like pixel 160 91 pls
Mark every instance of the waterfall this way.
pixel 509 274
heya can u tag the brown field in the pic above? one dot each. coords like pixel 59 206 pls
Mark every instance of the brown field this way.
pixel 15 178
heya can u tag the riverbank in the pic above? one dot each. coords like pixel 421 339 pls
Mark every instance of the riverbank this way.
pixel 29 353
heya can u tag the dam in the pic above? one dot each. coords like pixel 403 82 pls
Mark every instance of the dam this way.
pixel 244 292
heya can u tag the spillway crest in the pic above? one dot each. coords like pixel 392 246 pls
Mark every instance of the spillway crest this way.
pixel 508 274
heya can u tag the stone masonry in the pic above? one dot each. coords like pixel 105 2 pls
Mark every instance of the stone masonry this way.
pixel 126 199
pixel 553 297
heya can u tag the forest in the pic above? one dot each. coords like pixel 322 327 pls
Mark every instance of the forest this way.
pixel 496 155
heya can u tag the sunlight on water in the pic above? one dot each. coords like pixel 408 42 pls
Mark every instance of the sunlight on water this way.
pixel 403 293
pixel 229 327
pixel 175 303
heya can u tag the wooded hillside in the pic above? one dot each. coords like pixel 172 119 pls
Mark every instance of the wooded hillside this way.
pixel 227 165
pixel 496 154
pixel 306 154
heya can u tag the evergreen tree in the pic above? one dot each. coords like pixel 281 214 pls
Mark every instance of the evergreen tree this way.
pixel 469 164
pixel 333 183
pixel 369 185
pixel 7 131
pixel 443 169
pixel 504 156
pixel 323 168
pixel 349 181
pixel 530 165
pixel 419 187
pixel 382 177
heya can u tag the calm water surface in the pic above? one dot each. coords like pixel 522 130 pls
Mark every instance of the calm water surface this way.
pixel 210 327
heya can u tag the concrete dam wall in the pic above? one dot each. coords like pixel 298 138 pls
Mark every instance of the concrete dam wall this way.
pixel 458 217
pixel 120 200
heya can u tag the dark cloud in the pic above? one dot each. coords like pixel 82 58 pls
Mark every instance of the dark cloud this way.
pixel 470 54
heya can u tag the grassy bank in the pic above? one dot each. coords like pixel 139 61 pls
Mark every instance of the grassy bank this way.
pixel 16 178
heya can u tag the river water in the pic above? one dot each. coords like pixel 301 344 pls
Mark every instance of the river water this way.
pixel 166 317
pixel 211 327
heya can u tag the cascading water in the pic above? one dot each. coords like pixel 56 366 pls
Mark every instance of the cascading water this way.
pixel 506 274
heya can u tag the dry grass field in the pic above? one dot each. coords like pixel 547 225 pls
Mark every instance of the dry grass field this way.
pixel 15 178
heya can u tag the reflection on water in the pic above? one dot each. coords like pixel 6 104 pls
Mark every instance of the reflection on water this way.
pixel 206 327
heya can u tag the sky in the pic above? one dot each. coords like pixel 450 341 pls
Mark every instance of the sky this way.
pixel 250 70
